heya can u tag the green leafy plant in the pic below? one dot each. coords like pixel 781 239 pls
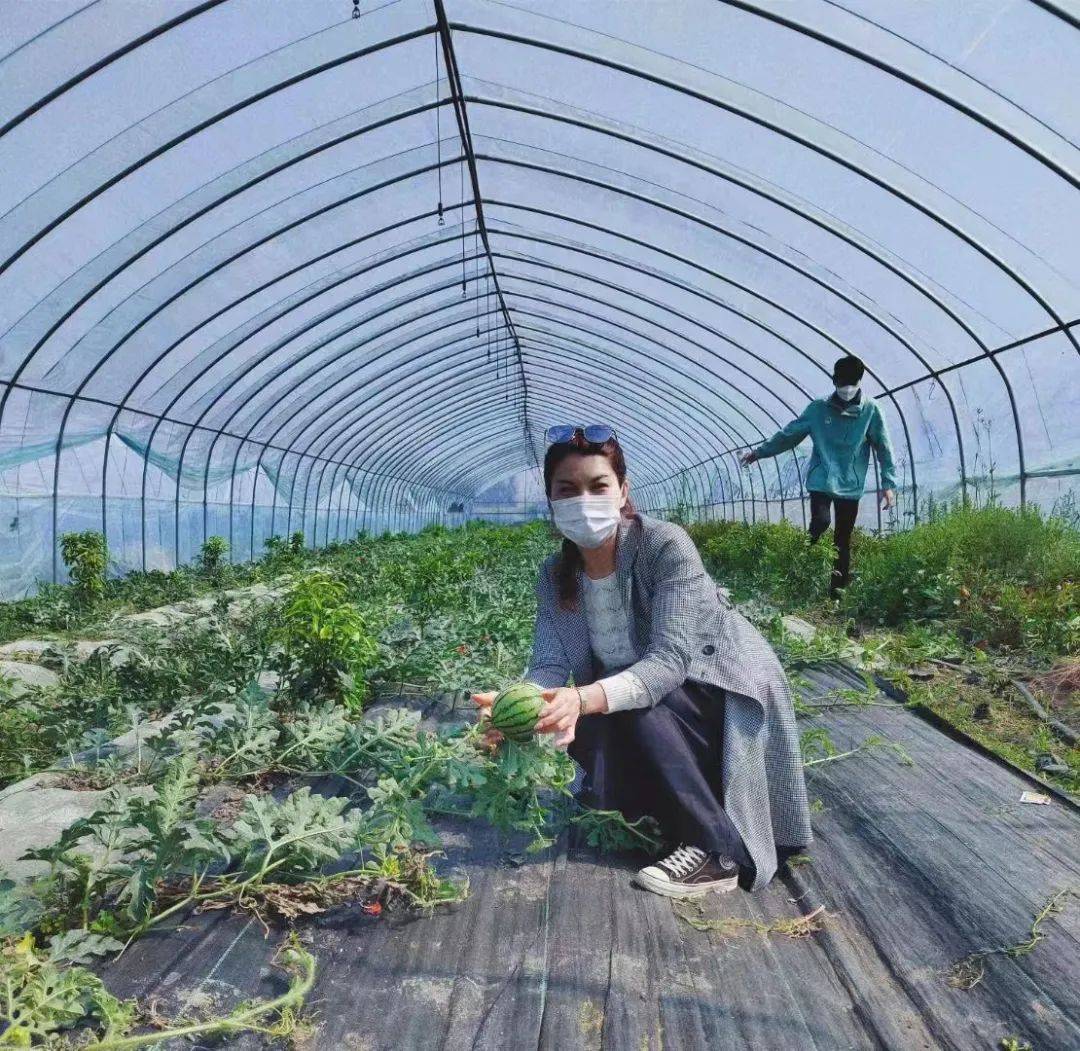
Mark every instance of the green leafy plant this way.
pixel 87 558
pixel 44 992
pixel 212 554
pixel 40 997
pixel 609 830
pixel 327 647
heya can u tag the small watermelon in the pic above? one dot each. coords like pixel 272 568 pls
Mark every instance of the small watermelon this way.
pixel 516 710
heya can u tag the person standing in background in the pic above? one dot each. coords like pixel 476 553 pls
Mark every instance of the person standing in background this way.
pixel 843 428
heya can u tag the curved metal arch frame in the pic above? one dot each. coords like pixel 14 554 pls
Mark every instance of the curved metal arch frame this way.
pixel 541 264
pixel 183 291
pixel 101 63
pixel 221 357
pixel 359 407
pixel 442 367
pixel 323 342
pixel 130 392
pixel 203 370
pixel 466 338
pixel 801 321
pixel 559 348
pixel 680 285
pixel 807 143
pixel 662 279
pixel 455 261
pixel 481 398
pixel 513 458
pixel 749 244
pixel 195 129
pixel 777 258
pixel 858 308
pixel 697 324
pixel 1067 333
pixel 916 82
pixel 409 112
pixel 495 460
pixel 430 388
pixel 731 488
pixel 464 320
pixel 332 206
pixel 829 228
pixel 810 144
pixel 335 433
pixel 823 284
pixel 711 353
pixel 750 319
pixel 245 439
pixel 638 335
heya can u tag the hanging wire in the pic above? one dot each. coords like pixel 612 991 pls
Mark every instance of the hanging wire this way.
pixel 464 279
pixel 438 130
pixel 476 274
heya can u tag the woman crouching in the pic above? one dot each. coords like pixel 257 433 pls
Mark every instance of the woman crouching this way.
pixel 679 708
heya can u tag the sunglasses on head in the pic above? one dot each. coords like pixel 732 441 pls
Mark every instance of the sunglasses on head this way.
pixel 594 434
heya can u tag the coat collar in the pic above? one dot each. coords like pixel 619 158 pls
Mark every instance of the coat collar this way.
pixel 849 408
pixel 625 553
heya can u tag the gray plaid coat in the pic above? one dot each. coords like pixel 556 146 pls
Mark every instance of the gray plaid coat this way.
pixel 684 628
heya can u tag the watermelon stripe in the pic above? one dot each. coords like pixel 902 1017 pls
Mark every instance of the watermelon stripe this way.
pixel 527 727
pixel 516 710
pixel 524 719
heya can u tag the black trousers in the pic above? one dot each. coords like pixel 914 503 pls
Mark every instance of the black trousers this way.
pixel 663 762
pixel 845 513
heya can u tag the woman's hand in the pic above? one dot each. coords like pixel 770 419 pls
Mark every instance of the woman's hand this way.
pixel 484 701
pixel 559 715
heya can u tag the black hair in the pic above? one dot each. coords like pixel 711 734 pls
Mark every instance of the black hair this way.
pixel 848 370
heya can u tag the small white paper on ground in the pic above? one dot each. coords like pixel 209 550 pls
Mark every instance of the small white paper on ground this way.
pixel 1034 797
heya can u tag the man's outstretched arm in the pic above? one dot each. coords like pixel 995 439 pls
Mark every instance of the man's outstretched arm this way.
pixel 785 438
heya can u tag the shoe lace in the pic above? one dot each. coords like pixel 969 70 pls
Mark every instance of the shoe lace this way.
pixel 683 860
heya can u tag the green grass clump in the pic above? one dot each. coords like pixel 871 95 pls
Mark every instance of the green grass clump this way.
pixel 1003 576
pixel 769 560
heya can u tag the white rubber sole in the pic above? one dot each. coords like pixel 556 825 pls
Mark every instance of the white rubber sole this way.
pixel 667 889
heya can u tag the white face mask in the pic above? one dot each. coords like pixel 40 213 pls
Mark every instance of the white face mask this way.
pixel 847 393
pixel 587 520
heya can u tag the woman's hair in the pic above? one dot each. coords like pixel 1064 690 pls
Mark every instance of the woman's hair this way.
pixel 569 561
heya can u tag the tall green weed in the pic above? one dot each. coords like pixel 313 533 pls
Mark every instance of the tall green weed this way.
pixel 1004 576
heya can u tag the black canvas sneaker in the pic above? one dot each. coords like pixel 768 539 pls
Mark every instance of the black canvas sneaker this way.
pixel 688 872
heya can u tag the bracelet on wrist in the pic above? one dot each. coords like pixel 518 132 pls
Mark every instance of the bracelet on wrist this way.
pixel 581 702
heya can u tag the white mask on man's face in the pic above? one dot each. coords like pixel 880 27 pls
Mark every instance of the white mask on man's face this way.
pixel 587 520
pixel 848 392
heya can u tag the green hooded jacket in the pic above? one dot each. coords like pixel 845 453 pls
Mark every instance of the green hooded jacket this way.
pixel 842 435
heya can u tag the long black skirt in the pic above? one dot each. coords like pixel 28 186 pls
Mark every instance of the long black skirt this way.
pixel 663 762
